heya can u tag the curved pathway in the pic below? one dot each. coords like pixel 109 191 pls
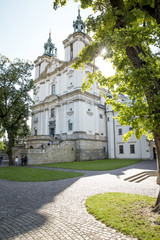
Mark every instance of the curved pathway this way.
pixel 56 210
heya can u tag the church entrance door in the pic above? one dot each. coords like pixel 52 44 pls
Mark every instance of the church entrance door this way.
pixel 52 131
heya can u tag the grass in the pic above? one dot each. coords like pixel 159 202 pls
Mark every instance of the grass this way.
pixel 128 213
pixel 24 174
pixel 98 165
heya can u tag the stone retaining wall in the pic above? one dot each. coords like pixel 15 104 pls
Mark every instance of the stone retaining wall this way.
pixel 68 151
pixel 90 150
pixel 63 152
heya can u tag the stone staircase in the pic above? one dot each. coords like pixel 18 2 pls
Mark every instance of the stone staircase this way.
pixel 141 176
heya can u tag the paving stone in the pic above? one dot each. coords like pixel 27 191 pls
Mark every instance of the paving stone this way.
pixel 56 210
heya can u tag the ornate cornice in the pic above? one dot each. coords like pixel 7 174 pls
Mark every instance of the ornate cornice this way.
pixel 62 99
pixel 75 35
pixel 59 70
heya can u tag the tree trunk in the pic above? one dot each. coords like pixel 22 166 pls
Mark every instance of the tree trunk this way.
pixel 10 146
pixel 157 143
pixel 157 204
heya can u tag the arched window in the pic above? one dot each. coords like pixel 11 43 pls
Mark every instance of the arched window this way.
pixel 53 89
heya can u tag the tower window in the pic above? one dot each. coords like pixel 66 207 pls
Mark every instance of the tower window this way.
pixel 52 112
pixel 53 89
pixel 71 50
pixel 39 72
pixel 132 148
pixel 101 116
pixel 121 151
pixel 120 131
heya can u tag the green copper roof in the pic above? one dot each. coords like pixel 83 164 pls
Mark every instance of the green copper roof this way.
pixel 79 25
pixel 49 48
pixel 109 95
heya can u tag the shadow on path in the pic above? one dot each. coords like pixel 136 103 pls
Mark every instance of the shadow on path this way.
pixel 20 201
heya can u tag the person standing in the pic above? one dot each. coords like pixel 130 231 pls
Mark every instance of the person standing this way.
pixel 1 158
pixel 22 160
pixel 25 160
pixel 16 161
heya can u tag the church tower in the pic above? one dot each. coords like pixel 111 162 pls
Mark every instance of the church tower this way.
pixel 49 48
pixel 49 51
pixel 79 25
pixel 76 41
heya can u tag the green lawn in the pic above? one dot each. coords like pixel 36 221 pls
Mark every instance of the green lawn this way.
pixel 128 213
pixel 98 165
pixel 25 174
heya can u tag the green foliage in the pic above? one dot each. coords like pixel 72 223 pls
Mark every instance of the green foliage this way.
pixel 24 174
pixel 2 145
pixel 15 99
pixel 129 31
pixel 98 165
pixel 128 213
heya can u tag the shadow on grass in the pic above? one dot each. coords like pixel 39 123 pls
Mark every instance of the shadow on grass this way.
pixel 20 202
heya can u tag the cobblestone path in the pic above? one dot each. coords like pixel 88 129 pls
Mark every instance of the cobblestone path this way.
pixel 55 210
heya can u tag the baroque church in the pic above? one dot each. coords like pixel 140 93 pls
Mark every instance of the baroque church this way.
pixel 68 125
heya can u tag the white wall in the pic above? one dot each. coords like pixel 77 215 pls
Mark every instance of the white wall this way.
pixel 142 148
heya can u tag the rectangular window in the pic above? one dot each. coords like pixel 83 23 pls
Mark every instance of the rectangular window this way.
pixel 35 132
pixel 121 149
pixel 53 89
pixel 101 116
pixel 120 131
pixel 71 49
pixel 132 148
pixel 70 126
pixel 39 70
pixel 53 112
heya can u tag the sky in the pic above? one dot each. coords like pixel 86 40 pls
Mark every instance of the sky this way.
pixel 25 27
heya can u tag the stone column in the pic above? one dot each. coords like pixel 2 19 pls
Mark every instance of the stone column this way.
pixel 46 122
pixel 57 114
pixel 96 119
pixel 42 132
pixel 111 133
pixel 64 119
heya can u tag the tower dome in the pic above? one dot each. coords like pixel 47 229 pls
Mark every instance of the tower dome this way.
pixel 49 48
pixel 79 25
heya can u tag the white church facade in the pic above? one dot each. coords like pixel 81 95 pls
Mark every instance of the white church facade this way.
pixel 64 116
